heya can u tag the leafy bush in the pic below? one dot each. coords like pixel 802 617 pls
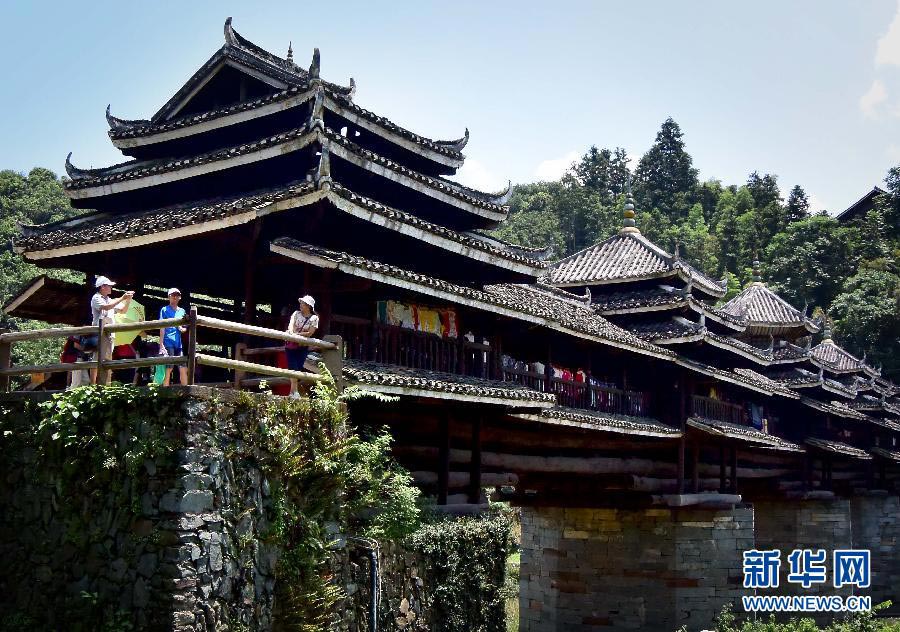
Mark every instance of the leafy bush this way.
pixel 858 622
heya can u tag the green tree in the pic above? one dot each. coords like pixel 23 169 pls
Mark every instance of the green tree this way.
pixel 665 177
pixel 867 317
pixel 797 206
pixel 810 260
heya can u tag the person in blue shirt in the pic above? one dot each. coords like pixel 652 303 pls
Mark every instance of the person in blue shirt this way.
pixel 170 337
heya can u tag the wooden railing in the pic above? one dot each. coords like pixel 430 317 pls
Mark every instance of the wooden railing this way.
pixel 717 409
pixel 330 348
pixel 369 341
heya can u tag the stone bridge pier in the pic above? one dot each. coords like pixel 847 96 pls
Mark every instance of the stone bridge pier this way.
pixel 630 569
pixel 658 569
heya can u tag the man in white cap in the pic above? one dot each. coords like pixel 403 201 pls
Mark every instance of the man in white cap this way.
pixel 304 322
pixel 103 309
pixel 170 337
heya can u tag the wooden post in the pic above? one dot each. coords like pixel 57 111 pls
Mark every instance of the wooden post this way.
pixel 333 358
pixel 722 487
pixel 695 469
pixel 239 355
pixel 443 458
pixel 192 345
pixel 734 483
pixel 250 275
pixel 682 419
pixel 475 462
pixel 102 344
pixel 5 363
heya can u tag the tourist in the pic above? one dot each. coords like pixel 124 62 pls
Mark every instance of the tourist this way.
pixel 304 322
pixel 103 310
pixel 170 337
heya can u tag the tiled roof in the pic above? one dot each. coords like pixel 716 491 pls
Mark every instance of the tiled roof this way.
pixel 372 374
pixel 666 330
pixel 836 447
pixel 243 51
pixel 104 227
pixel 762 306
pixel 834 408
pixel 795 377
pixel 637 300
pixel 839 388
pixel 605 422
pixel 836 359
pixel 527 302
pixel 884 453
pixel 135 169
pixel 541 253
pixel 490 201
pixel 626 256
pixel 738 432
pixel 762 380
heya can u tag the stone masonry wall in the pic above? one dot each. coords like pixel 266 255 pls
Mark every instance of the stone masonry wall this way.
pixel 184 557
pixel 808 524
pixel 611 569
pixel 876 526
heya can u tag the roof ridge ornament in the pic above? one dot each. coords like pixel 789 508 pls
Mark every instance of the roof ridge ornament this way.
pixel 323 173
pixel 316 65
pixel 290 53
pixel 352 92
pixel 74 172
pixel 117 123
pixel 821 373
pixel 317 113
pixel 757 277
pixel 628 225
pixel 502 197
pixel 587 295
pixel 230 37
pixel 771 344
pixel 456 145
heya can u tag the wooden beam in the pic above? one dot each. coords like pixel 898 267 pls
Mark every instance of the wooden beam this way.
pixel 192 345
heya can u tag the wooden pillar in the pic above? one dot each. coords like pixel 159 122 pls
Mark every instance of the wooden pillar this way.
pixel 324 304
pixel 682 418
pixel 250 274
pixel 102 350
pixel 722 487
pixel 192 345
pixel 734 483
pixel 5 363
pixel 443 458
pixel 475 463
pixel 695 468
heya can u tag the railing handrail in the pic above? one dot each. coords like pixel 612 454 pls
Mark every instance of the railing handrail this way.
pixel 262 332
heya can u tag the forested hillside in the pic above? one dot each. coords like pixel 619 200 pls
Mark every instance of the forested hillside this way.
pixel 849 272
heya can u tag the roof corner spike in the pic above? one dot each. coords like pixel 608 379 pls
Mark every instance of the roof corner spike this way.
pixel 771 344
pixel 503 197
pixel 808 344
pixel 230 38
pixel 352 92
pixel 290 53
pixel 587 295
pixel 317 115
pixel 821 373
pixel 316 64
pixel 111 120
pixel 460 144
pixel 703 321
pixel 628 225
pixel 74 172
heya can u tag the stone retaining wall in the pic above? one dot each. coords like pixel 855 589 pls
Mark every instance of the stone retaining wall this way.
pixel 611 569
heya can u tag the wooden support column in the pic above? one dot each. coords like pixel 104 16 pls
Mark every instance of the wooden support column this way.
pixel 250 274
pixel 682 419
pixel 5 362
pixel 722 476
pixel 443 458
pixel 475 462
pixel 192 345
pixel 733 476
pixel 102 351
pixel 695 468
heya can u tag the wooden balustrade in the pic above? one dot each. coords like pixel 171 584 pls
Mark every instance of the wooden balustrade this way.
pixel 330 349
pixel 717 409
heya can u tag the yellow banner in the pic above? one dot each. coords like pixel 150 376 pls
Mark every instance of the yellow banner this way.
pixel 134 314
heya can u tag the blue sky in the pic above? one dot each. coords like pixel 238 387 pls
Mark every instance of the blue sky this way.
pixel 808 90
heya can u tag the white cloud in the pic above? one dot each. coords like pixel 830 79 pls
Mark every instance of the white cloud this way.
pixel 474 174
pixel 888 51
pixel 876 95
pixel 554 168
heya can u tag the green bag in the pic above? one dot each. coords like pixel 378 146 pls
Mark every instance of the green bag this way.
pixel 159 374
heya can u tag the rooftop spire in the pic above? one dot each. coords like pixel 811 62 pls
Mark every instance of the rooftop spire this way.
pixel 826 332
pixel 757 276
pixel 290 53
pixel 315 66
pixel 628 226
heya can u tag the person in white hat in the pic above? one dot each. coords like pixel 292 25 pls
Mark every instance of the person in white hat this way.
pixel 103 309
pixel 170 337
pixel 304 322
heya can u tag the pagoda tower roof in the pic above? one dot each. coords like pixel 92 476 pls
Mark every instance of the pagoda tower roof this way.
pixel 767 312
